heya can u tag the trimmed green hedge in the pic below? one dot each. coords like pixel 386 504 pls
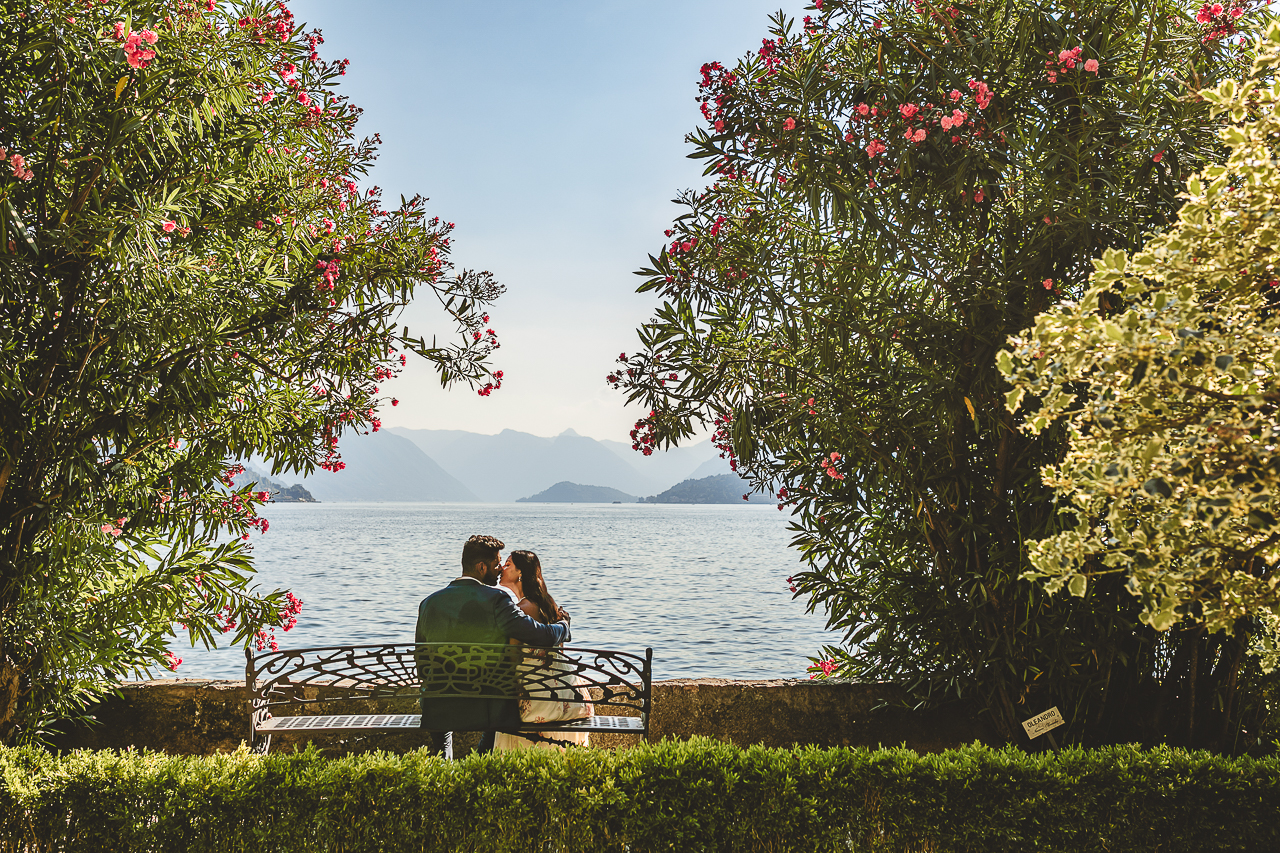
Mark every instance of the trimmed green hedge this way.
pixel 683 796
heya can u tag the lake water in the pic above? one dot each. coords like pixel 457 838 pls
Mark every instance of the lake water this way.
pixel 704 585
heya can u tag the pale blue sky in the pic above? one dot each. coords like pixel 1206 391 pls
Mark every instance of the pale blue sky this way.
pixel 552 134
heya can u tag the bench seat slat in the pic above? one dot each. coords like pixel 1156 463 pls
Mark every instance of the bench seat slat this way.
pixel 343 721
pixel 393 722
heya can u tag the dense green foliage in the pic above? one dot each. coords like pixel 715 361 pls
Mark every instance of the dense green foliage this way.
pixel 699 795
pixel 899 188
pixel 188 276
pixel 1166 373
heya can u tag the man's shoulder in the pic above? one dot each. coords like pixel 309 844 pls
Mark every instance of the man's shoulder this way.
pixel 466 589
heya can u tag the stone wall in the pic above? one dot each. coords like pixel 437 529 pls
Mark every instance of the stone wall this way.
pixel 197 717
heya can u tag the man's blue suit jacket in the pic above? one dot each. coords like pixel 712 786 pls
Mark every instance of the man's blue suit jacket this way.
pixel 467 611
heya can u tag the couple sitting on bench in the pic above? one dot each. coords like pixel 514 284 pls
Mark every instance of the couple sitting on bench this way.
pixel 496 602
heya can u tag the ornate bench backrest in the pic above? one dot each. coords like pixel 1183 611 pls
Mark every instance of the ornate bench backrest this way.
pixel 335 674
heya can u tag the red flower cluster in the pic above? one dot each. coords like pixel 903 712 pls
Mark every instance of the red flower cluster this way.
pixel 289 616
pixel 716 85
pixel 16 163
pixel 172 661
pixel 226 619
pixel 914 121
pixel 136 53
pixel 278 25
pixel 828 464
pixel 328 275
pixel 981 93
pixel 262 640
pixel 685 246
pixel 1219 20
pixel 642 436
pixel 769 53
pixel 114 529
pixel 489 387
pixel 722 439
pixel 1066 60
pixel 822 668
pixel 332 460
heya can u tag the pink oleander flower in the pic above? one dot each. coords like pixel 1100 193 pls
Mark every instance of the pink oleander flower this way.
pixel 168 227
pixel 1091 65
pixel 268 97
pixel 1048 284
pixel 908 110
pixel 1157 157
pixel 978 196
pixel 919 135
pixel 981 92
pixel 789 124
pixel 955 95
pixel 875 147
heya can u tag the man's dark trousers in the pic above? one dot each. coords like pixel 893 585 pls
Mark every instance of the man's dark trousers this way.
pixel 467 611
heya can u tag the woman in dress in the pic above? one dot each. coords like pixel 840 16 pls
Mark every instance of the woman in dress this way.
pixel 522 577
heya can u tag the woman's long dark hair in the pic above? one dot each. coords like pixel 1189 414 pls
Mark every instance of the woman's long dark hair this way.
pixel 535 588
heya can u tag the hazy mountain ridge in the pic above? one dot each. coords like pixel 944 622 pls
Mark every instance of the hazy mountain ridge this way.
pixel 718 489
pixel 279 491
pixel 566 492
pixel 511 465
pixel 401 464
pixel 385 467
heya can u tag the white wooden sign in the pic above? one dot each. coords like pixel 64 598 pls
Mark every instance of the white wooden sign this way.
pixel 1044 722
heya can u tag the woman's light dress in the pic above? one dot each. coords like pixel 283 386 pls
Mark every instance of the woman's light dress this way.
pixel 569 703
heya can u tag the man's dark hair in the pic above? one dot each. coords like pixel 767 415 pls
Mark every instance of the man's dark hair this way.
pixel 480 549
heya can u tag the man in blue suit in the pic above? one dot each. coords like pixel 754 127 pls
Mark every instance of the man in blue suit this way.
pixel 472 609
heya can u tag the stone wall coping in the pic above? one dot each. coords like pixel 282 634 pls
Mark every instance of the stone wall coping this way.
pixel 202 716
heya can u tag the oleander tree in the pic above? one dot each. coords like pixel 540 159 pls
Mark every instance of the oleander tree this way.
pixel 897 188
pixel 1166 372
pixel 189 276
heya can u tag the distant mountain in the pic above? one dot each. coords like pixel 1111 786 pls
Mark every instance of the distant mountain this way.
pixel 511 464
pixel 566 492
pixel 667 466
pixel 280 493
pixel 720 489
pixel 713 467
pixel 385 467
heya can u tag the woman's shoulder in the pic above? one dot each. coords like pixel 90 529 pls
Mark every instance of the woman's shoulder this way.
pixel 529 609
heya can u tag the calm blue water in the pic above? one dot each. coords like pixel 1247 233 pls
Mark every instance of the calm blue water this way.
pixel 705 586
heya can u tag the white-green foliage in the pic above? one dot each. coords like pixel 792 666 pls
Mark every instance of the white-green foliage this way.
pixel 1166 374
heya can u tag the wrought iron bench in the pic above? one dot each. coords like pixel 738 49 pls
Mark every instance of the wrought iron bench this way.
pixel 285 682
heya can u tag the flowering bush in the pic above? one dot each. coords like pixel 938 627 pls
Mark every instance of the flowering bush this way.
pixel 190 275
pixel 897 188
pixel 1165 372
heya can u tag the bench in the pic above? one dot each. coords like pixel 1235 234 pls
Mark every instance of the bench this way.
pixel 387 675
